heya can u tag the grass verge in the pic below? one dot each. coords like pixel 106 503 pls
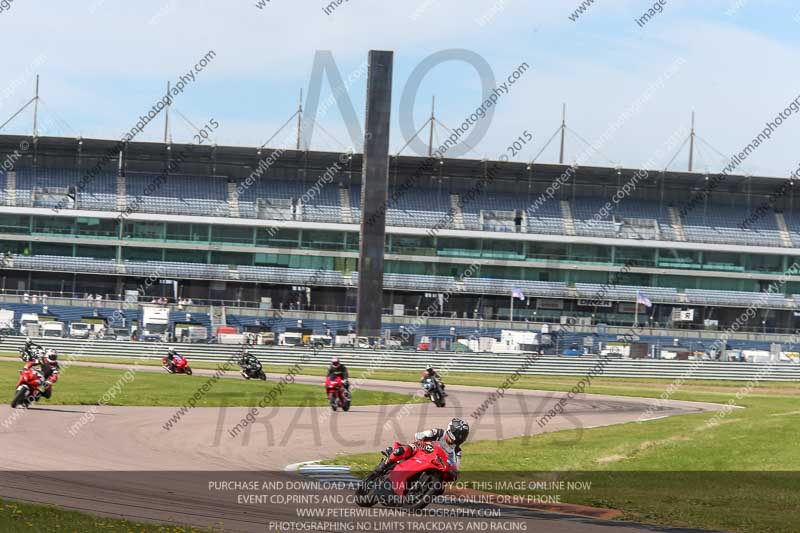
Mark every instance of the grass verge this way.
pixel 23 518
pixel 79 385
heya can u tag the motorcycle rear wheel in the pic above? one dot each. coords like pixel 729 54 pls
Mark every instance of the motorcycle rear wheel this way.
pixel 439 400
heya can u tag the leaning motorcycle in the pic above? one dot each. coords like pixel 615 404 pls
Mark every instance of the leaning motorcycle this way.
pixel 179 367
pixel 253 372
pixel 434 391
pixel 35 353
pixel 409 484
pixel 338 395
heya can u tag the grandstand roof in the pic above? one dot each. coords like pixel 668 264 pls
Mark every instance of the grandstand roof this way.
pixel 238 162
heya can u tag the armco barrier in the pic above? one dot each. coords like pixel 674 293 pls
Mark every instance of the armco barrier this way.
pixel 410 360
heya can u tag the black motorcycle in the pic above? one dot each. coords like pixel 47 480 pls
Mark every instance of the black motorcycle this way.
pixel 33 353
pixel 253 371
pixel 433 390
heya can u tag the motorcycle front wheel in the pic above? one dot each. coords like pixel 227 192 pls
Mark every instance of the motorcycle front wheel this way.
pixel 19 397
pixel 364 493
pixel 188 371
pixel 332 400
pixel 423 490
pixel 262 376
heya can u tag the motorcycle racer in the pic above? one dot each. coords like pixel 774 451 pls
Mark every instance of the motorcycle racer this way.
pixel 338 370
pixel 432 374
pixel 173 356
pixel 29 349
pixel 50 370
pixel 450 439
pixel 249 363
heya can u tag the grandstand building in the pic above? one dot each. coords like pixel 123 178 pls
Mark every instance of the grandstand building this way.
pixel 241 224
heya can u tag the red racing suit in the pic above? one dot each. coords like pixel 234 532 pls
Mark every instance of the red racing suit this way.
pixel 50 371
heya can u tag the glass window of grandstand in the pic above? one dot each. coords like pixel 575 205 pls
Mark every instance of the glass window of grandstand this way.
pixel 587 253
pixel 688 259
pixel 503 249
pixel 728 284
pixel 96 252
pixel 51 248
pixel 501 272
pixel 53 225
pixel 144 230
pixel 232 234
pixel 14 247
pixel 231 258
pixel 585 276
pixel 765 263
pixel 634 256
pixel 547 250
pixel 411 245
pixel 278 237
pixel 628 278
pixel 14 224
pixel 186 256
pixel 273 260
pixel 96 227
pixel 311 262
pixel 352 242
pixel 322 240
pixel 722 261
pixel 187 232
pixel 142 254
pixel 458 247
pixel 410 267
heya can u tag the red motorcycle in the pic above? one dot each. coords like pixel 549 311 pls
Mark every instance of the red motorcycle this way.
pixel 338 395
pixel 179 366
pixel 27 387
pixel 410 484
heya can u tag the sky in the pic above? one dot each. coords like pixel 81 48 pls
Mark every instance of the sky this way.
pixel 103 63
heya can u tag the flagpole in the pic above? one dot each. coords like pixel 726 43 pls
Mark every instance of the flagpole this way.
pixel 511 317
pixel 636 311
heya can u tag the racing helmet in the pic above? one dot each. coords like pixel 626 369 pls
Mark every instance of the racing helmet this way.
pixel 51 354
pixel 335 361
pixel 457 431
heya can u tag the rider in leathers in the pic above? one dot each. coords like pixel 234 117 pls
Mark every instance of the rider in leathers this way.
pixel 249 362
pixel 434 375
pixel 50 370
pixel 450 439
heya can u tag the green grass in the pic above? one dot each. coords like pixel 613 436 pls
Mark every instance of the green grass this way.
pixel 27 518
pixel 80 385
pixel 741 475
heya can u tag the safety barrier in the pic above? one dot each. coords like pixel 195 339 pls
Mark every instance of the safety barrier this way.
pixel 452 361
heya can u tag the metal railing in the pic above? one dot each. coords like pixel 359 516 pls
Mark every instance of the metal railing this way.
pixel 454 361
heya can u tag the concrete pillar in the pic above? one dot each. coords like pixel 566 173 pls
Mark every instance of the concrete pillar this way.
pixel 374 188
